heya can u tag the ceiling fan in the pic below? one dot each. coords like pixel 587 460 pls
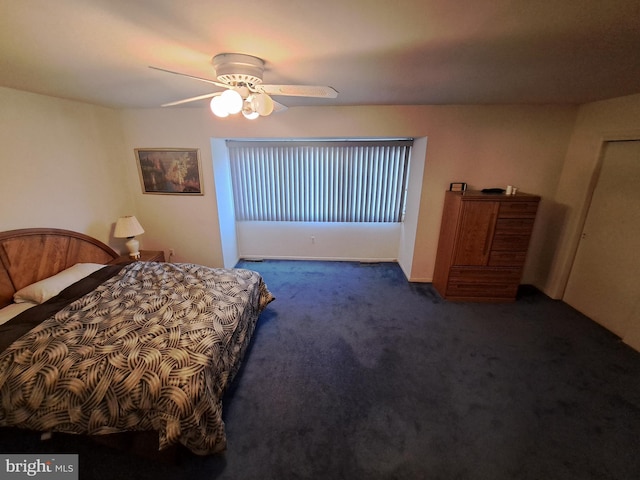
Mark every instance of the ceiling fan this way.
pixel 241 77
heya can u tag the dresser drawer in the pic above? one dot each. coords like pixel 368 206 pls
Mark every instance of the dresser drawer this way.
pixel 517 209
pixel 510 243
pixel 485 275
pixel 507 258
pixel 514 226
pixel 470 282
pixel 482 290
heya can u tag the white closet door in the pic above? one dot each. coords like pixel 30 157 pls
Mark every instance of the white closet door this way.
pixel 605 279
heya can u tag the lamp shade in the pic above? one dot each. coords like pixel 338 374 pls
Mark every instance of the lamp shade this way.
pixel 127 227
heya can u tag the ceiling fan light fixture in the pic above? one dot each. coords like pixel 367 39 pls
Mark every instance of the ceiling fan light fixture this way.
pixel 218 108
pixel 249 108
pixel 243 90
pixel 250 115
pixel 263 104
pixel 232 101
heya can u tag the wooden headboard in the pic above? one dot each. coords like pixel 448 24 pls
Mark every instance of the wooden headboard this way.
pixel 31 254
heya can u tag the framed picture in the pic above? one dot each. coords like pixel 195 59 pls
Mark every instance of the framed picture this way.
pixel 174 171
pixel 457 187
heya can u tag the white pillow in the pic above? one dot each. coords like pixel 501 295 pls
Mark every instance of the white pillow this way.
pixel 14 309
pixel 43 290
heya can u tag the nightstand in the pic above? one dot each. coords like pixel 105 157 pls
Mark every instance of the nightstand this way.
pixel 145 256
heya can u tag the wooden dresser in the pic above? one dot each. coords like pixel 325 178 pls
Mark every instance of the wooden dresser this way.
pixel 483 245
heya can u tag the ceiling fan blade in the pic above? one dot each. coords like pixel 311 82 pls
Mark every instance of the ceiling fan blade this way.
pixel 192 99
pixel 278 107
pixel 318 91
pixel 191 76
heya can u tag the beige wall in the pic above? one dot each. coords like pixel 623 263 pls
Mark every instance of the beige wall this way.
pixel 616 119
pixel 90 161
pixel 485 146
pixel 62 164
pixel 186 224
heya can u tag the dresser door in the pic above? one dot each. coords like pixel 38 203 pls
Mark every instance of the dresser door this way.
pixel 475 235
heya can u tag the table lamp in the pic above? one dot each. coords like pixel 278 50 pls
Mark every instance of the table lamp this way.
pixel 129 227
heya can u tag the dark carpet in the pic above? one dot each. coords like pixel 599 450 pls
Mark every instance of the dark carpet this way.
pixel 355 373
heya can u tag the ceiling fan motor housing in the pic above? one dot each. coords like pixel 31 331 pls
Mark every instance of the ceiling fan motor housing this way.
pixel 237 68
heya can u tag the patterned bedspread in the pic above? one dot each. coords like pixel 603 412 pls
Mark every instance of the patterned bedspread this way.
pixel 152 348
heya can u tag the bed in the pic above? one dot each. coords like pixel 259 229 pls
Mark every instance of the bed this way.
pixel 138 347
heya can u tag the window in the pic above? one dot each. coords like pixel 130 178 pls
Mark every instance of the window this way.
pixel 320 181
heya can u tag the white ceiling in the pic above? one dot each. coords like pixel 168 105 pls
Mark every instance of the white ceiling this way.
pixel 372 51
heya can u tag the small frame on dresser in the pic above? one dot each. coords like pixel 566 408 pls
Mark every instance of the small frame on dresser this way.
pixel 458 187
pixel 174 171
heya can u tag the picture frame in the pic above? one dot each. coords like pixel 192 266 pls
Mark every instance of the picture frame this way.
pixel 170 171
pixel 457 187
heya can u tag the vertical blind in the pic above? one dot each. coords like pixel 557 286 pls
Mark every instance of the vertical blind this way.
pixel 322 181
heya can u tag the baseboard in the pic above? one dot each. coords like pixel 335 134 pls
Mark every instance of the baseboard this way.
pixel 421 279
pixel 326 259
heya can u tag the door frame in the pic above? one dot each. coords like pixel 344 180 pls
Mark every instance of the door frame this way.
pixel 605 138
